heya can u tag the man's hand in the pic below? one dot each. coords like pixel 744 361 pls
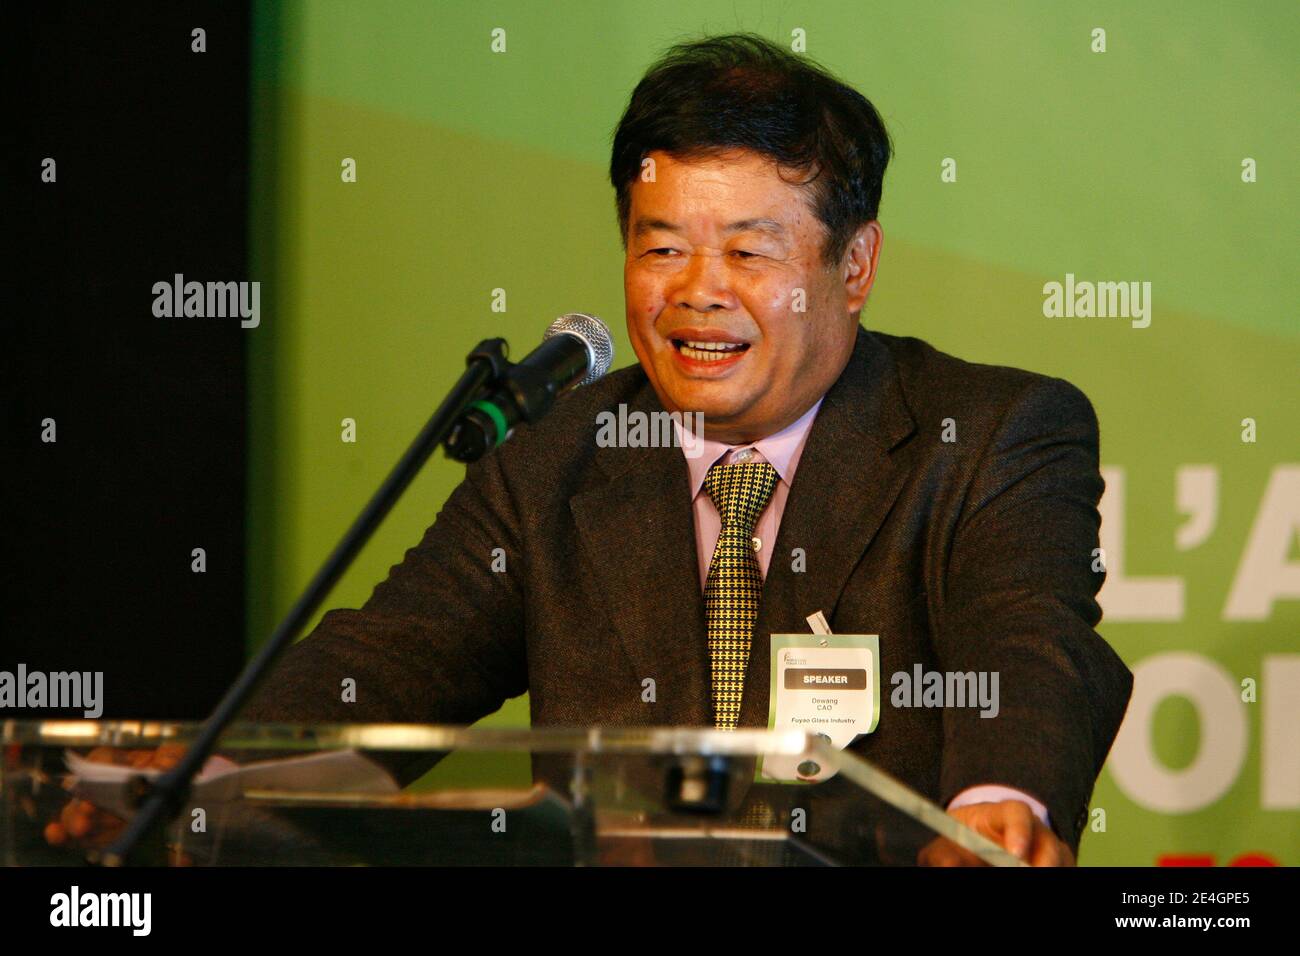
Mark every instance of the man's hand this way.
pixel 81 823
pixel 1010 823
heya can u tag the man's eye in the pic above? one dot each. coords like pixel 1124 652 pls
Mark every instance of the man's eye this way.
pixel 662 252
pixel 743 254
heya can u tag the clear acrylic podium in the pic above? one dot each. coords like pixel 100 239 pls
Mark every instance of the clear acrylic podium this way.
pixel 324 795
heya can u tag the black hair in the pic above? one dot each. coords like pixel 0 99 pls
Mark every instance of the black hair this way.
pixel 742 91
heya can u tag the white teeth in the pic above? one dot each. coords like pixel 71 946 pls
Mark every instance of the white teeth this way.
pixel 710 351
pixel 714 346
pixel 706 355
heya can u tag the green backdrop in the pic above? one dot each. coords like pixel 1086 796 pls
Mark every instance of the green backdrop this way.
pixel 1167 157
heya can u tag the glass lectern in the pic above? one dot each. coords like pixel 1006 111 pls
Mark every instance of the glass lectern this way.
pixel 328 795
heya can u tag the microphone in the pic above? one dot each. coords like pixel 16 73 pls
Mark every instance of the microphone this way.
pixel 576 350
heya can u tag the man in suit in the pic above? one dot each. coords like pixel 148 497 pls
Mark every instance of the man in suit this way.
pixel 946 506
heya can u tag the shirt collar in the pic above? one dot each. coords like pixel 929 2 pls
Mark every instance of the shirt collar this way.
pixel 781 450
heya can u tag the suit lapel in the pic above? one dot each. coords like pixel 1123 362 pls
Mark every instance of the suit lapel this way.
pixel 638 531
pixel 845 484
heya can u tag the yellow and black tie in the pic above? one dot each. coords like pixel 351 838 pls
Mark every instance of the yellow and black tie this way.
pixel 735 583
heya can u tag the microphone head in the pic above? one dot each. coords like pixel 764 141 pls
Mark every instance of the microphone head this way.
pixel 594 335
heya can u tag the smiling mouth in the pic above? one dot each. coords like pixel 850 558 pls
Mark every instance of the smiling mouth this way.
pixel 709 351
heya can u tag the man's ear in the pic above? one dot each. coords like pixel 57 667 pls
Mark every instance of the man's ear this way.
pixel 858 268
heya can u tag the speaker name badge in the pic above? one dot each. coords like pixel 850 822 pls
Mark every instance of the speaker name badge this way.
pixel 823 684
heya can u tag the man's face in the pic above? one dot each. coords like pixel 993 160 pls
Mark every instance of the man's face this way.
pixel 730 309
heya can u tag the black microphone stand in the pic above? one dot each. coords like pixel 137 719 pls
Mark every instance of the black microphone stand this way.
pixel 163 799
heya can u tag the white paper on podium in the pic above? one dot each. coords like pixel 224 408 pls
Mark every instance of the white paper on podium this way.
pixel 220 780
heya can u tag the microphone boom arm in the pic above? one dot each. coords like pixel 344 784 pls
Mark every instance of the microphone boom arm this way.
pixel 163 799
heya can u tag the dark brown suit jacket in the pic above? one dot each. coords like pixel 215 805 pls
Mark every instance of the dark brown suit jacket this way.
pixel 969 555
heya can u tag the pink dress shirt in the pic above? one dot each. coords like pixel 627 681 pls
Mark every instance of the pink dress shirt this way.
pixel 782 451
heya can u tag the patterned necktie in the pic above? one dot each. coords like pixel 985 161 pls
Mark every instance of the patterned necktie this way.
pixel 735 582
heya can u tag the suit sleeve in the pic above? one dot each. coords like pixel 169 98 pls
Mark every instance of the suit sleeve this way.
pixel 439 641
pixel 1019 599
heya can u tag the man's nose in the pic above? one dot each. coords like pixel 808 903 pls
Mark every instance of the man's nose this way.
pixel 704 283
